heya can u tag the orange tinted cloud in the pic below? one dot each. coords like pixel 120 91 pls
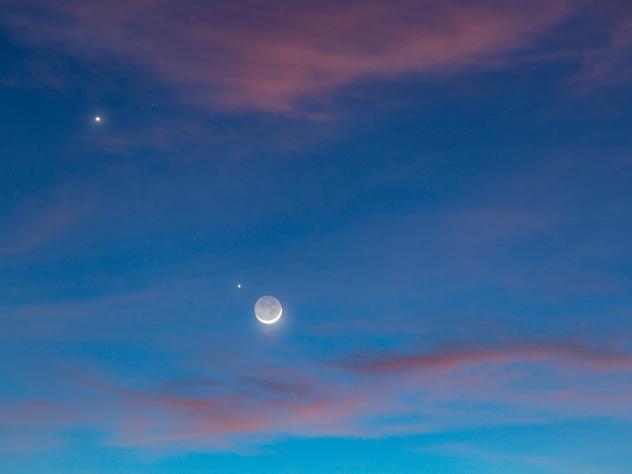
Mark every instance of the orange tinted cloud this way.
pixel 265 56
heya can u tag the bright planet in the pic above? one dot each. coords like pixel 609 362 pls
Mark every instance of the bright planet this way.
pixel 268 309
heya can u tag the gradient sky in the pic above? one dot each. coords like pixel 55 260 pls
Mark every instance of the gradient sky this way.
pixel 439 192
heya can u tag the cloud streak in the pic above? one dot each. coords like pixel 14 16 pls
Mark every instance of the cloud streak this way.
pixel 43 227
pixel 224 412
pixel 254 55
pixel 448 357
pixel 362 396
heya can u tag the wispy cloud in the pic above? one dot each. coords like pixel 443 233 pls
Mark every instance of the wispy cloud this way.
pixel 41 226
pixel 257 56
pixel 446 358
pixel 370 395
pixel 605 60
pixel 220 413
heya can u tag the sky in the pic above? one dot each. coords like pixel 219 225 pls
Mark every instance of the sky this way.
pixel 438 192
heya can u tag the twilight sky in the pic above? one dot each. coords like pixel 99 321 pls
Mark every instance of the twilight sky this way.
pixel 439 193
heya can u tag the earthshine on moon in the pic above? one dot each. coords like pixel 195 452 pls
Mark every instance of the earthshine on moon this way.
pixel 268 310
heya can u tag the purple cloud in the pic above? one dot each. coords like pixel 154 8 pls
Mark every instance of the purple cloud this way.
pixel 258 56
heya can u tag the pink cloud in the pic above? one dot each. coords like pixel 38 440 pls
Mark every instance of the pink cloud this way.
pixel 257 55
pixel 220 414
pixel 449 357
pixel 430 391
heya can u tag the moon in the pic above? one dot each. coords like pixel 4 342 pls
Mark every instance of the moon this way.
pixel 268 309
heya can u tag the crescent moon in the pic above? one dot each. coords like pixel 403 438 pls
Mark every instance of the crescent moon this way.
pixel 268 310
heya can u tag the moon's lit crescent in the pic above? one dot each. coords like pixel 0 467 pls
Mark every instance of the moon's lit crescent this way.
pixel 268 310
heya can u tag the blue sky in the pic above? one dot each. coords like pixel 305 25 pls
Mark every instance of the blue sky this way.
pixel 438 193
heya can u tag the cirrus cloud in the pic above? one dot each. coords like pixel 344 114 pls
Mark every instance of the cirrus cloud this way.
pixel 371 395
pixel 258 55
